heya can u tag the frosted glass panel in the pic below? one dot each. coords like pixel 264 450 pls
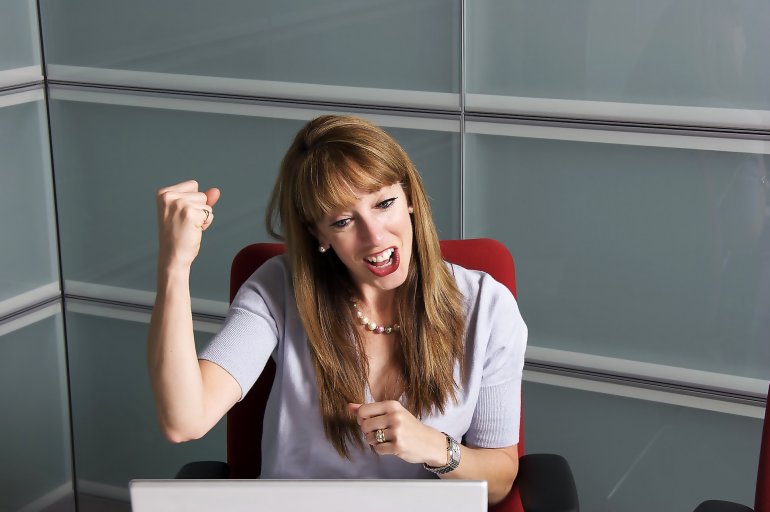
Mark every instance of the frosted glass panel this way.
pixel 19 36
pixel 650 254
pixel 689 52
pixel 113 413
pixel 28 256
pixel 629 455
pixel 403 44
pixel 36 471
pixel 110 160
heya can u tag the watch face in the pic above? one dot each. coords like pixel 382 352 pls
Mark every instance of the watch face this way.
pixel 454 451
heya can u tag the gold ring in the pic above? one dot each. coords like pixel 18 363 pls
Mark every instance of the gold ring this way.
pixel 379 435
pixel 207 216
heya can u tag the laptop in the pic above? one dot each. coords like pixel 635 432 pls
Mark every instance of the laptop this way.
pixel 308 495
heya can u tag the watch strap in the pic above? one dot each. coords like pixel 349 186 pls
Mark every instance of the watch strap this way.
pixel 453 457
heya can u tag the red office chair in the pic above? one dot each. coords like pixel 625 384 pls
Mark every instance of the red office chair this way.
pixel 762 499
pixel 544 482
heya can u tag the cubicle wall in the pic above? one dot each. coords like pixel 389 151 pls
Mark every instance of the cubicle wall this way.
pixel 35 448
pixel 631 189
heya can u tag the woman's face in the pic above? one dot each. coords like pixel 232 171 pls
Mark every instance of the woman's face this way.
pixel 372 237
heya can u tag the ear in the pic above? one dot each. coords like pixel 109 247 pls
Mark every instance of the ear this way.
pixel 322 242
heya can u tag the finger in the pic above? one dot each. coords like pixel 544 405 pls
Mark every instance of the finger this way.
pixel 196 198
pixel 378 408
pixel 353 409
pixel 379 435
pixel 371 425
pixel 371 437
pixel 184 186
pixel 192 212
pixel 212 196
pixel 208 214
pixel 189 209
pixel 384 449
pixel 371 409
pixel 388 447
pixel 170 197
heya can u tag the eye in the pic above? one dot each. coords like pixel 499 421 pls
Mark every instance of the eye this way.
pixel 384 205
pixel 340 223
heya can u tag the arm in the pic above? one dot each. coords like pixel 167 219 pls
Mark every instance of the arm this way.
pixel 411 440
pixel 190 396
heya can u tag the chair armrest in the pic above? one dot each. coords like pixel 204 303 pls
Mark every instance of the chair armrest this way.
pixel 546 484
pixel 722 506
pixel 204 470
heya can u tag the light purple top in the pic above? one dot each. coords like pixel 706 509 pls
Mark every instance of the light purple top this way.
pixel 263 320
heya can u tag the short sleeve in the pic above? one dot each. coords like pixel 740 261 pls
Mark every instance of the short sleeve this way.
pixel 501 340
pixel 253 325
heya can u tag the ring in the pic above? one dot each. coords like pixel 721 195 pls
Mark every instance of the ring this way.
pixel 207 216
pixel 379 435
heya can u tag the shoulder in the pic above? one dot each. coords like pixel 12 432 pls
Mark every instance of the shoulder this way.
pixel 478 286
pixel 271 271
pixel 492 313
pixel 272 280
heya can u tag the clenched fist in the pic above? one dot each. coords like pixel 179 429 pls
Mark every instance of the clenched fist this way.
pixel 184 214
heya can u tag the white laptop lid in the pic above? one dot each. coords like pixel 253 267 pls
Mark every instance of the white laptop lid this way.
pixel 308 495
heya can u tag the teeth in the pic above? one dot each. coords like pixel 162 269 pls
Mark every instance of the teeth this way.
pixel 384 256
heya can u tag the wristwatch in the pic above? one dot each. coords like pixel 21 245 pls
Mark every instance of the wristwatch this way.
pixel 452 457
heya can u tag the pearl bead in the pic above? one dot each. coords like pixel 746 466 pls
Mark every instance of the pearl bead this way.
pixel 372 325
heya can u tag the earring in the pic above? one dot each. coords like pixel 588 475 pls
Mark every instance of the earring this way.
pixel 411 210
pixel 321 249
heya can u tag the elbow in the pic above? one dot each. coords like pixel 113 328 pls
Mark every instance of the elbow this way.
pixel 177 435
pixel 498 490
pixel 499 493
pixel 181 425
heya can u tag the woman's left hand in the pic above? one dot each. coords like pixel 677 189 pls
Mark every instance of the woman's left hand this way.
pixel 405 436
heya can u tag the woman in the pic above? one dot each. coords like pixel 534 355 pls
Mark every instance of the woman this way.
pixel 377 341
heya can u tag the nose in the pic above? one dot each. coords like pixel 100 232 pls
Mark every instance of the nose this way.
pixel 370 230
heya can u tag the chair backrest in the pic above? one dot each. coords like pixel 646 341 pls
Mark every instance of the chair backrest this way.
pixel 762 501
pixel 244 421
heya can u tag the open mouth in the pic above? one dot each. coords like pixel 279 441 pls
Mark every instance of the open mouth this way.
pixel 383 263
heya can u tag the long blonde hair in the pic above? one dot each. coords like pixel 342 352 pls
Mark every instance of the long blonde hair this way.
pixel 329 159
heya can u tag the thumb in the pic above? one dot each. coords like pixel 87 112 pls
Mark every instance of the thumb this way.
pixel 353 408
pixel 212 196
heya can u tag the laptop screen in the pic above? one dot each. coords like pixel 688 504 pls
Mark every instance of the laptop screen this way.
pixel 308 495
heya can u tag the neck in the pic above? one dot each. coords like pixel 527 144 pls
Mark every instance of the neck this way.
pixel 379 303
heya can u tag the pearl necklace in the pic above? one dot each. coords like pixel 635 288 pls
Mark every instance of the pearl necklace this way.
pixel 370 325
